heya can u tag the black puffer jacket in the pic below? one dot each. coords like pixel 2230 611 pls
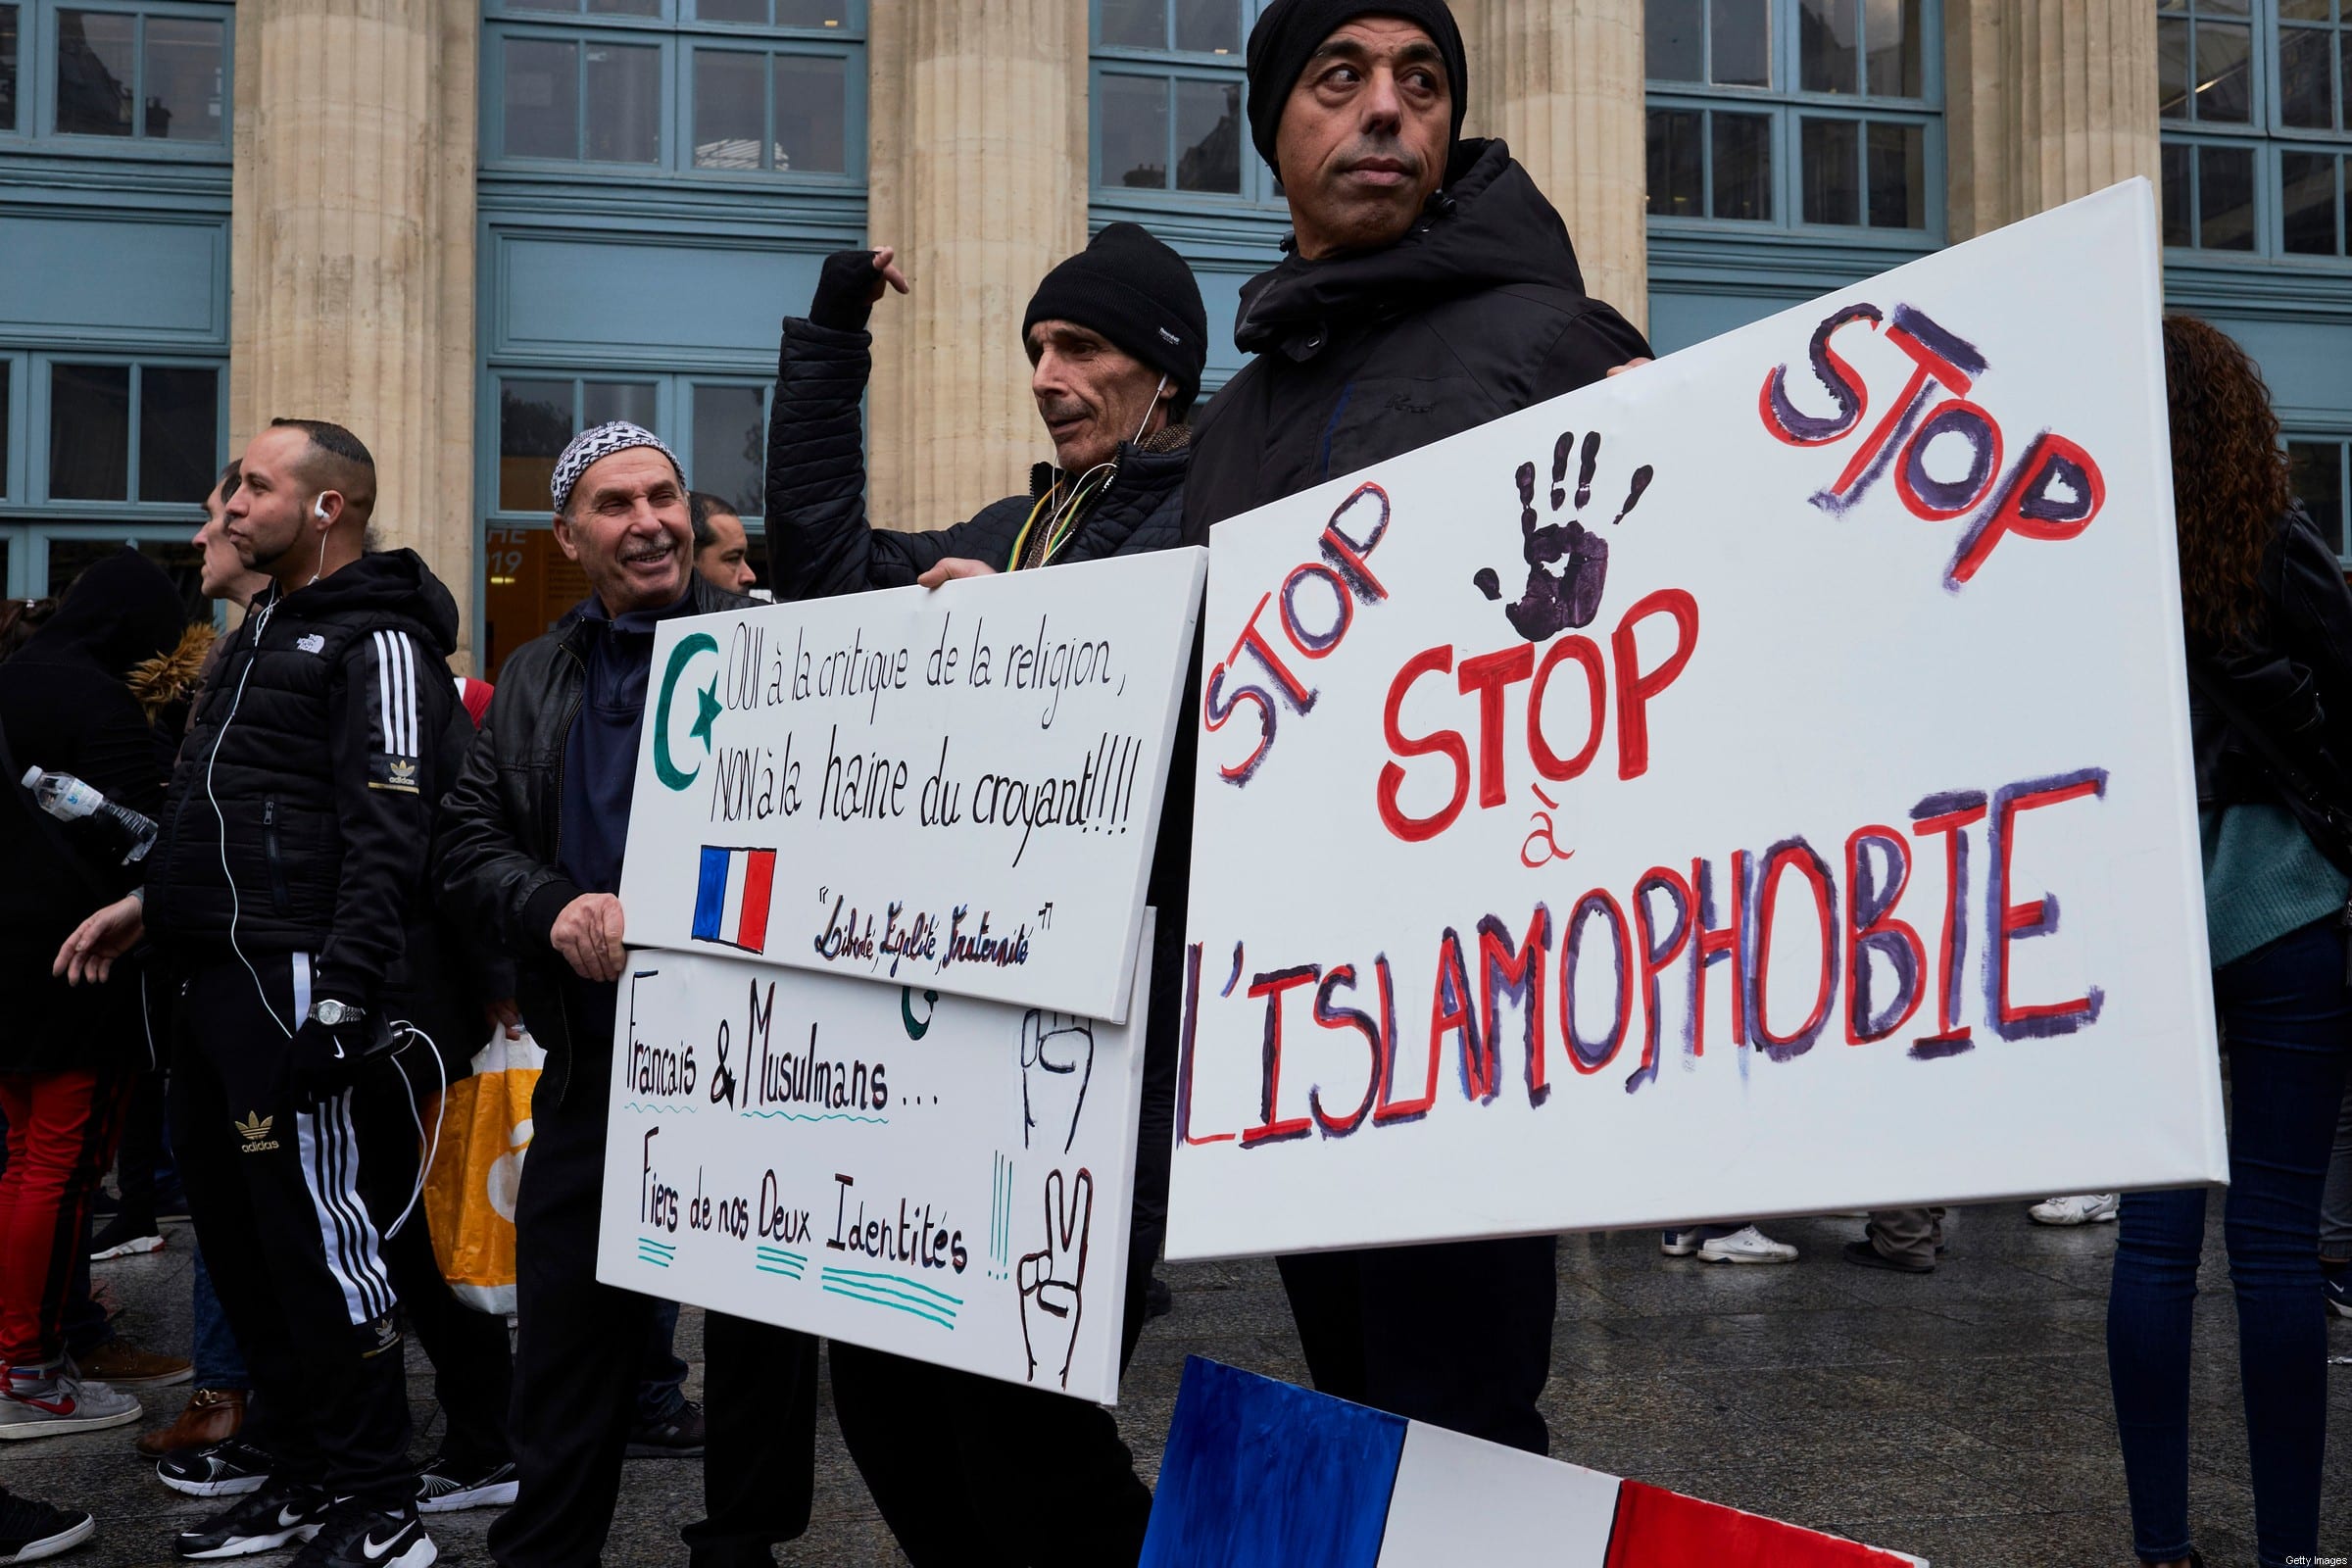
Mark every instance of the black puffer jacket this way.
pixel 312 768
pixel 497 856
pixel 2292 676
pixel 818 541
pixel 1478 312
pixel 65 708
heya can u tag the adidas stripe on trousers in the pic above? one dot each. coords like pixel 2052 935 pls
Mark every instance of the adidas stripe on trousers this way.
pixel 295 1253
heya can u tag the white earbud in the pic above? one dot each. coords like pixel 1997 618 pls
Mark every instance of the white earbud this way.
pixel 319 510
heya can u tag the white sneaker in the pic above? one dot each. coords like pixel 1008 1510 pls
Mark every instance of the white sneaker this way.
pixel 1678 1243
pixel 51 1402
pixel 1746 1245
pixel 2083 1208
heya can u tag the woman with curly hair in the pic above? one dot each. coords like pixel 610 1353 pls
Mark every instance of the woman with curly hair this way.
pixel 2269 630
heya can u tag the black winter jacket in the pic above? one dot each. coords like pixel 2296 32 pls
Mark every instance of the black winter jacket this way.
pixel 312 768
pixel 497 862
pixel 2292 676
pixel 818 542
pixel 65 708
pixel 1478 312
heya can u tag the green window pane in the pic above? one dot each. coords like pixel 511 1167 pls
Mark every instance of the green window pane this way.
pixel 1210 26
pixel 1740 33
pixel 1134 24
pixel 811 114
pixel 2225 75
pixel 2307 202
pixel 179 432
pixel 2175 166
pixel 1831 158
pixel 1894 34
pixel 534 426
pixel 1743 148
pixel 624 8
pixel 95 72
pixel 1676 187
pixel 2316 471
pixel 184 59
pixel 1208 136
pixel 730 107
pixel 2305 73
pixel 2226 198
pixel 1829 46
pixel 2223 8
pixel 730 447
pixel 542 95
pixel 1132 115
pixel 812 13
pixel 2304 10
pixel 1898 176
pixel 624 103
pixel 1672 43
pixel 2172 69
pixel 8 68
pixel 89 432
pixel 603 402
pixel 751 11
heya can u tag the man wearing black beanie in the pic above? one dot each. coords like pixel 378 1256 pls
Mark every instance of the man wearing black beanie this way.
pixel 963 1467
pixel 1429 288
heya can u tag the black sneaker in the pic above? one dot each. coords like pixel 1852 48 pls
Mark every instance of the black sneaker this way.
pixel 356 1534
pixel 30 1530
pixel 445 1485
pixel 676 1436
pixel 127 1235
pixel 223 1469
pixel 271 1518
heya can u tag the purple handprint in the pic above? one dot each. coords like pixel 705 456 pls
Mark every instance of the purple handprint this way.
pixel 1567 563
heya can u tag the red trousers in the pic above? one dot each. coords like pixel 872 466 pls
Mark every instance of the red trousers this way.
pixel 61 1132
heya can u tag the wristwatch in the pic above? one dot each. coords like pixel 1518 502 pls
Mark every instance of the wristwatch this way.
pixel 335 1015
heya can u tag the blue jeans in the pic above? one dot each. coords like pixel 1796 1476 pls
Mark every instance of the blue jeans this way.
pixel 2288 1018
pixel 220 1364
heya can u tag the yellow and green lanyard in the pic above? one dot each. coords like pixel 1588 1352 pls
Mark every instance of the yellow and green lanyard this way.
pixel 1063 520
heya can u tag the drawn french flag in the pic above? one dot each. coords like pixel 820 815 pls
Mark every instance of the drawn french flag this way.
pixel 731 903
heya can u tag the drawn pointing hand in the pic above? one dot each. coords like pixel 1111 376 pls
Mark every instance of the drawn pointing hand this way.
pixel 1058 1061
pixel 1053 1277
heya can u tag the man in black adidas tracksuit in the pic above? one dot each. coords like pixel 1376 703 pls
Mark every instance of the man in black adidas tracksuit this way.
pixel 285 890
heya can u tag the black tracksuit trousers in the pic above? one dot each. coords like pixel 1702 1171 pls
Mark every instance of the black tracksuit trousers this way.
pixel 579 1357
pixel 277 1189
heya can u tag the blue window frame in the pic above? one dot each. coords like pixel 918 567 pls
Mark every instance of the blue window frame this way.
pixel 107 78
pixel 2255 97
pixel 1806 116
pixel 1167 103
pixel 742 90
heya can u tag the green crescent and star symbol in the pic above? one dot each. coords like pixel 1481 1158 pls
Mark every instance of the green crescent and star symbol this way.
pixel 707 708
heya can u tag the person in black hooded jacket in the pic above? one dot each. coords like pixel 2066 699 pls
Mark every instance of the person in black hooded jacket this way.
pixel 286 886
pixel 1429 288
pixel 69 1058
pixel 1117 337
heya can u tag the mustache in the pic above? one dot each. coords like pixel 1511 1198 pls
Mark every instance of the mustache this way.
pixel 1391 148
pixel 1055 410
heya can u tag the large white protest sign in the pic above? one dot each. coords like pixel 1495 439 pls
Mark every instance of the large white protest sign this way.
pixel 953 788
pixel 1756 784
pixel 936 1176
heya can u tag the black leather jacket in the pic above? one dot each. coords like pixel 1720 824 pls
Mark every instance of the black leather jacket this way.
pixel 497 867
pixel 2292 676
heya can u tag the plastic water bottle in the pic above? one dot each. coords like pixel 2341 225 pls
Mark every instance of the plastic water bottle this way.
pixel 69 800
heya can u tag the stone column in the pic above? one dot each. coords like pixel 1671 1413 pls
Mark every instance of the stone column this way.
pixel 2045 100
pixel 978 161
pixel 1563 83
pixel 352 288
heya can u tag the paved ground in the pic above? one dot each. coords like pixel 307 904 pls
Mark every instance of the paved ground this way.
pixel 1962 1416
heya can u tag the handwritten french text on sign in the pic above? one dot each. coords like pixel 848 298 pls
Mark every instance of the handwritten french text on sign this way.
pixel 1756 784
pixel 954 788
pixel 935 1176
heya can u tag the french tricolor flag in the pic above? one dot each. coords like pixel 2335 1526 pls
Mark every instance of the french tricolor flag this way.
pixel 730 901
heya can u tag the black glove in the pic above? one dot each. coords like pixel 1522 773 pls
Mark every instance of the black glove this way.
pixel 846 288
pixel 324 1061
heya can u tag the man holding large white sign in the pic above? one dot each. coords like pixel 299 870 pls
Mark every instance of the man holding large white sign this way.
pixel 1431 288
pixel 1760 782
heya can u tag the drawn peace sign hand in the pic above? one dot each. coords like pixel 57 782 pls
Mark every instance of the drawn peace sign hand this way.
pixel 1058 1061
pixel 1053 1277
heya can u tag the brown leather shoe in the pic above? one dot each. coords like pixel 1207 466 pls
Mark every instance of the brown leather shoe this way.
pixel 124 1364
pixel 212 1415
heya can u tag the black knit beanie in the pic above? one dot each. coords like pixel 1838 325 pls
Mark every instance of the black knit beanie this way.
pixel 1290 31
pixel 1139 294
